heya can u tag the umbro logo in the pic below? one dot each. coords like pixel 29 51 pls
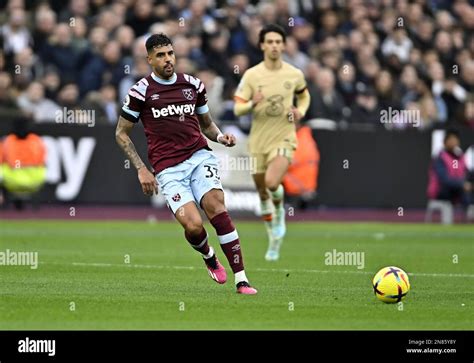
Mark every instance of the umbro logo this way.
pixel 155 97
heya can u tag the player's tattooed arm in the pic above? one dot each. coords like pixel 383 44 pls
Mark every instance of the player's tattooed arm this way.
pixel 122 132
pixel 212 132
pixel 146 178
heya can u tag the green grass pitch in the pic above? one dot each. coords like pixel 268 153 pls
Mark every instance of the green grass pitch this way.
pixel 83 282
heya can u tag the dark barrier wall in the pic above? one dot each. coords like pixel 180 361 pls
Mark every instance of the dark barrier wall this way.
pixel 373 169
pixel 358 168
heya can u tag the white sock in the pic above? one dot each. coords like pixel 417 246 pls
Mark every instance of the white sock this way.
pixel 279 193
pixel 210 254
pixel 240 276
pixel 266 206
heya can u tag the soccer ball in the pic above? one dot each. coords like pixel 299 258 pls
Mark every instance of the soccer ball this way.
pixel 391 284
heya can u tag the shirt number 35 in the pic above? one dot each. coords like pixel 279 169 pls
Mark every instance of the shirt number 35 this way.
pixel 211 172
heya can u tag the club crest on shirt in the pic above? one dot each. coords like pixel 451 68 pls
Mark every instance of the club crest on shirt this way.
pixel 188 93
pixel 176 197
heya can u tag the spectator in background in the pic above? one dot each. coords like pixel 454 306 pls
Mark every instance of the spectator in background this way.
pixel 448 178
pixel 34 104
pixel 215 89
pixel 16 35
pixel 366 110
pixel 45 23
pixel 8 106
pixel 68 96
pixel 329 25
pixel 303 32
pixel 386 91
pixel 216 55
pixel 97 39
pixel 444 47
pixel 346 81
pixel 196 19
pixel 141 17
pixel 79 31
pixel 51 83
pixel 75 9
pixel 27 68
pixel 447 90
pixel 125 36
pixel 467 116
pixel 311 71
pixel 60 52
pixel 234 22
pixel 408 85
pixel 237 64
pixel 369 69
pixel 428 113
pixel 423 35
pixel 109 67
pixel 140 69
pixel 253 47
pixel 108 95
pixel 397 44
pixel 293 55
pixel 109 20
pixel 467 76
pixel 326 102
pixel 356 41
pixel 196 53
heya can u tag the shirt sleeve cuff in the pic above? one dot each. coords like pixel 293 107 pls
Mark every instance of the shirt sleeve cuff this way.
pixel 202 109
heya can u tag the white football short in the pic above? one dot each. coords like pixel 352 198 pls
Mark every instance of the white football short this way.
pixel 189 180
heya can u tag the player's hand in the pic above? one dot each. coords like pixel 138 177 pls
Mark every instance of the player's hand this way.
pixel 148 181
pixel 226 140
pixel 294 115
pixel 257 97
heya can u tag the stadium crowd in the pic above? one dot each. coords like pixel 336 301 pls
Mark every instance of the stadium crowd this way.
pixel 360 57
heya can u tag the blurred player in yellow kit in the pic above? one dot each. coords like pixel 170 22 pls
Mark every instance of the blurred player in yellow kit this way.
pixel 268 91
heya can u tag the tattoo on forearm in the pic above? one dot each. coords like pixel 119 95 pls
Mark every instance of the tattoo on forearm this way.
pixel 130 151
pixel 208 127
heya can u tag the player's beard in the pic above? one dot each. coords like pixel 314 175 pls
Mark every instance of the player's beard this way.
pixel 167 71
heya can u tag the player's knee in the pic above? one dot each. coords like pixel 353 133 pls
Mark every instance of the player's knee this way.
pixel 193 226
pixel 215 208
pixel 272 184
pixel 215 205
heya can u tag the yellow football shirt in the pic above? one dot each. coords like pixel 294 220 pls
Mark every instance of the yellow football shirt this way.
pixel 270 122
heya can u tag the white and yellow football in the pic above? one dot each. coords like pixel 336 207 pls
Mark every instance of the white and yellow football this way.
pixel 391 284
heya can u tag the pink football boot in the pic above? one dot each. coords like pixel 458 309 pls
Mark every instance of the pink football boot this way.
pixel 244 288
pixel 216 270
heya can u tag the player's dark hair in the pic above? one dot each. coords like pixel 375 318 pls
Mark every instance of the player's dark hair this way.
pixel 271 28
pixel 451 132
pixel 157 40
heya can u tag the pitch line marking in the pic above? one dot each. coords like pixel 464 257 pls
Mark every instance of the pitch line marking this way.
pixel 264 269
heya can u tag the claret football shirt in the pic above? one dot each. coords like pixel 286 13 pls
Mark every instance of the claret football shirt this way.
pixel 168 110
